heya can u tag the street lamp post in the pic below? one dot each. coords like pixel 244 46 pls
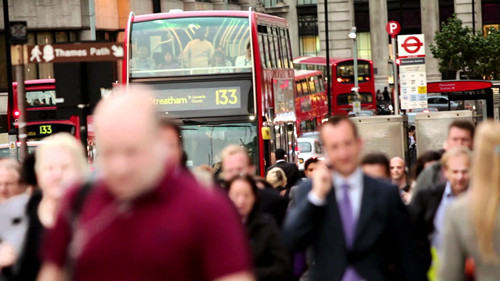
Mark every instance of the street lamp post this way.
pixel 353 36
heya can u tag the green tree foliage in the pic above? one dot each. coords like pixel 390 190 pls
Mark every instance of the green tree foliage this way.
pixel 458 48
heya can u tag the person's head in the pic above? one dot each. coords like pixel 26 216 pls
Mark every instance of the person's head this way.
pixel 170 135
pixel 280 154
pixel 219 57
pixel 309 166
pixel 198 33
pixel 248 53
pixel 277 178
pixel 143 52
pixel 397 166
pixel 167 56
pixel 485 187
pixel 60 162
pixel 10 179
pixel 423 161
pixel 342 144
pixel 411 130
pixel 376 165
pixel 460 133
pixel 132 156
pixel 235 161
pixel 242 190
pixel 456 163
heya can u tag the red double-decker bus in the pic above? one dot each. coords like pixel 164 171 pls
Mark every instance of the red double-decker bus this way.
pixel 342 81
pixel 227 75
pixel 41 111
pixel 311 104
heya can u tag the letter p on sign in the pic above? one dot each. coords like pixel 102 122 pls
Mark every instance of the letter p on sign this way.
pixel 393 28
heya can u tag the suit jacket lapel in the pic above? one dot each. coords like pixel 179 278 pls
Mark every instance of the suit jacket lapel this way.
pixel 367 208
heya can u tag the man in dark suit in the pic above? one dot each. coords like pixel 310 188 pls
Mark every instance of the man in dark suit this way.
pixel 429 205
pixel 357 226
pixel 291 170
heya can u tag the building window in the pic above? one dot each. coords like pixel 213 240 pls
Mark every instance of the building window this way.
pixel 308 34
pixel 309 45
pixel 269 3
pixel 306 2
pixel 364 45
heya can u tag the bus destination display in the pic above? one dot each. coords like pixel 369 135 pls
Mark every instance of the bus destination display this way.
pixel 44 130
pixel 198 99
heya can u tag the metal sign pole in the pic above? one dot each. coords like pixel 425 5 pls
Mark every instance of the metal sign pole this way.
pixel 396 80
pixel 18 61
pixel 327 64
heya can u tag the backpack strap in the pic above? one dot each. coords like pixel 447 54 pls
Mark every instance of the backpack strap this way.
pixel 79 199
pixel 76 208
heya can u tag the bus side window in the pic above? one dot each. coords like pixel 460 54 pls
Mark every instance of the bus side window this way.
pixel 272 58
pixel 262 49
pixel 276 42
pixel 319 83
pixel 312 86
pixel 299 88
pixel 284 47
pixel 304 87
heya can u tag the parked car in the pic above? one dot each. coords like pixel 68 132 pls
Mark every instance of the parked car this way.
pixel 307 148
pixel 441 103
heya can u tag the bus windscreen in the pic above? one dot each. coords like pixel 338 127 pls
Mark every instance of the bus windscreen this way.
pixel 190 46
pixel 345 71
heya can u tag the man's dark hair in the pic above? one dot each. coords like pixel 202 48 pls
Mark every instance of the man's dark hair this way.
pixel 411 129
pixel 377 159
pixel 309 162
pixel 280 154
pixel 464 125
pixel 167 123
pixel 337 119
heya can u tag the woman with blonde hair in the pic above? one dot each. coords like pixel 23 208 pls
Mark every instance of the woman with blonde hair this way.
pixel 472 225
pixel 277 178
pixel 60 162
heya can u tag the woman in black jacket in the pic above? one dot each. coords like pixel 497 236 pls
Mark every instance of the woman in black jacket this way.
pixel 269 255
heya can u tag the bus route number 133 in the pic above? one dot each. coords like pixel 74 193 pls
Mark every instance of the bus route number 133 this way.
pixel 45 129
pixel 226 96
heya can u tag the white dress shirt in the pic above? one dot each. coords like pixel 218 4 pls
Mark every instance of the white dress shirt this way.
pixel 355 181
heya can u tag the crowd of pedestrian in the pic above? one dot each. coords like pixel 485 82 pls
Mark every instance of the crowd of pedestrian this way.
pixel 142 214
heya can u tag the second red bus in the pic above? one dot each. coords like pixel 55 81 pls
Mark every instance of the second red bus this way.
pixel 342 81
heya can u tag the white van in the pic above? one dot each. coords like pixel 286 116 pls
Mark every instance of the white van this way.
pixel 307 148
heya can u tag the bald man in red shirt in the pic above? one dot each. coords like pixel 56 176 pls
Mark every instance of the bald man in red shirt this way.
pixel 145 218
